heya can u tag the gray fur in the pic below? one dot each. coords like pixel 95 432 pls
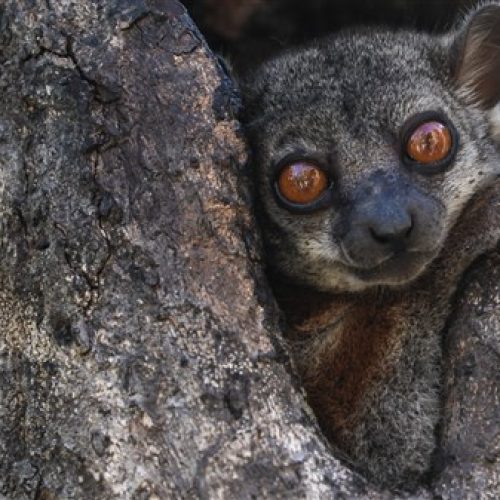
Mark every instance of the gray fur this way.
pixel 343 100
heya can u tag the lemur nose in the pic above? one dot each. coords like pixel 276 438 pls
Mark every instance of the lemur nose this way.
pixel 393 230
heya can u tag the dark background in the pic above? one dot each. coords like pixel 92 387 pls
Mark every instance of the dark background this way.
pixel 247 31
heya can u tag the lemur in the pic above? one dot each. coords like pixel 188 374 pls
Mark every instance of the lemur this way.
pixel 377 162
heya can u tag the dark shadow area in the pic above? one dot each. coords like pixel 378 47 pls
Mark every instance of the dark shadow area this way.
pixel 246 32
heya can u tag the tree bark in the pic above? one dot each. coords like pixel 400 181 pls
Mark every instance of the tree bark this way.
pixel 470 434
pixel 140 354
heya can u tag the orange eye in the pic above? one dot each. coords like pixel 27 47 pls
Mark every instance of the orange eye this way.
pixel 302 183
pixel 431 142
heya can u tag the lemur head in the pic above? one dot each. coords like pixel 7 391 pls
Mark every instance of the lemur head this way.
pixel 369 145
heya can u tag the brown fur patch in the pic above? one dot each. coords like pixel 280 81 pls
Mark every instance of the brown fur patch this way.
pixel 345 374
pixel 343 347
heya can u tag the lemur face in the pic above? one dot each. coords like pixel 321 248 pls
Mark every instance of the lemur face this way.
pixel 367 150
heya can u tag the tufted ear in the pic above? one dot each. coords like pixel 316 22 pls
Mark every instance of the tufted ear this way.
pixel 475 54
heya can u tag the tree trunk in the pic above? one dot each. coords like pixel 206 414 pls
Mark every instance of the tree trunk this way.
pixel 140 354
pixel 470 434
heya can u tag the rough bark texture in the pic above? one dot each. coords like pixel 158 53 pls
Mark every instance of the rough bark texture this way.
pixel 139 346
pixel 470 437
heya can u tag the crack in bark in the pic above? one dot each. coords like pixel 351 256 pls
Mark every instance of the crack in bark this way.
pixel 71 54
pixel 101 93
pixel 43 50
pixel 92 280
pixel 109 253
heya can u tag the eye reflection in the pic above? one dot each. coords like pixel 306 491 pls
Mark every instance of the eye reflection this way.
pixel 430 143
pixel 302 183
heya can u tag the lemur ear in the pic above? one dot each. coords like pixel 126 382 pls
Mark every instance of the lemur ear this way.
pixel 476 55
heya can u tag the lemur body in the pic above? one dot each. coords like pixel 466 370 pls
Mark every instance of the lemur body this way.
pixel 377 167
